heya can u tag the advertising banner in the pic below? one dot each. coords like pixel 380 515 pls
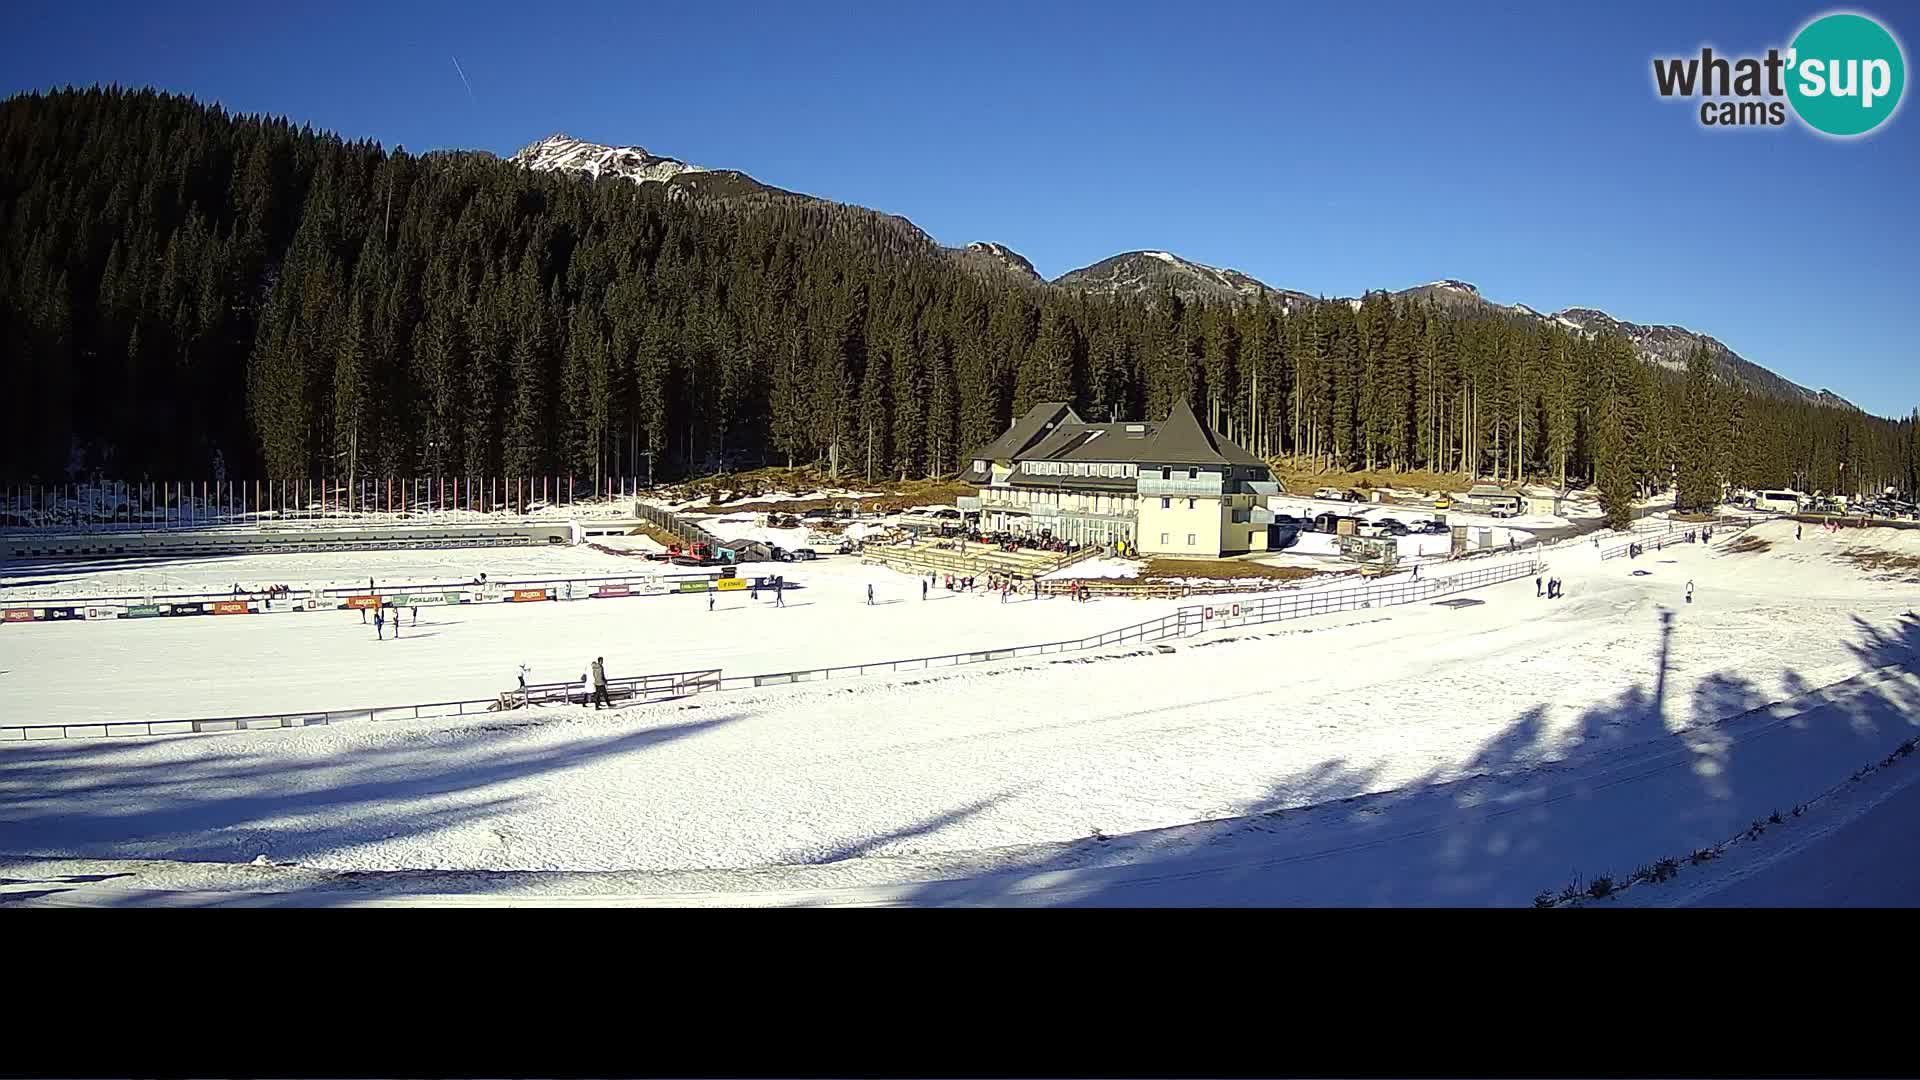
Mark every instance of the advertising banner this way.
pixel 521 596
pixel 62 613
pixel 185 609
pixel 230 607
pixel 693 586
pixel 610 590
pixel 103 613
pixel 732 584
pixel 18 614
pixel 363 601
pixel 145 611
pixel 651 588
pixel 424 599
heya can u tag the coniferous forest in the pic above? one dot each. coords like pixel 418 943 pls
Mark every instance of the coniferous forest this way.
pixel 185 292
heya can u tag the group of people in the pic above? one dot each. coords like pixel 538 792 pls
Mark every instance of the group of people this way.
pixel 1547 587
pixel 380 620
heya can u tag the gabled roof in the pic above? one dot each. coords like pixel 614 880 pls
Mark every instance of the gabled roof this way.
pixel 1017 440
pixel 1051 431
pixel 1184 440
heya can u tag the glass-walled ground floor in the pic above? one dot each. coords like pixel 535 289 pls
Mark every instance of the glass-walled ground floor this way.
pixel 1098 530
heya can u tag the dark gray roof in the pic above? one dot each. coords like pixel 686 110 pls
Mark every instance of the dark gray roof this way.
pixel 1027 430
pixel 1050 431
pixel 1184 440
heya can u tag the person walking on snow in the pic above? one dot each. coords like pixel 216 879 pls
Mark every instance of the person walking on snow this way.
pixel 1689 592
pixel 380 623
pixel 600 683
pixel 923 590
pixel 1536 585
pixel 869 595
pixel 711 597
pixel 780 592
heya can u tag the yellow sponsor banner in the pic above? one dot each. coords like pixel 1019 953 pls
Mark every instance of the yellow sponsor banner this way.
pixel 732 584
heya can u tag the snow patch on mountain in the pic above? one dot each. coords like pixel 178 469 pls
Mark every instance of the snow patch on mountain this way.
pixel 564 153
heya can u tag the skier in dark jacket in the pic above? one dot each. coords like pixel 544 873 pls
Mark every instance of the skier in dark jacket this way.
pixel 869 596
pixel 600 683
pixel 380 623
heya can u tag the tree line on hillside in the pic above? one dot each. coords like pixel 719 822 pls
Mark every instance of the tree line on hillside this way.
pixel 184 291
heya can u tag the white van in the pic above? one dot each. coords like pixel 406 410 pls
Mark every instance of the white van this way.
pixel 1785 502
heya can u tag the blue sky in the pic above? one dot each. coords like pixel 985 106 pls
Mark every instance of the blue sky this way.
pixel 1519 147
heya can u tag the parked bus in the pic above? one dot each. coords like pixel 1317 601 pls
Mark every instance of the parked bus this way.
pixel 1785 502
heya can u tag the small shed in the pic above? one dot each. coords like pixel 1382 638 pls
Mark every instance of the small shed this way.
pixel 1495 497
pixel 1548 505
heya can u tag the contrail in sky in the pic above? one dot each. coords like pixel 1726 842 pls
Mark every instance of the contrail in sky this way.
pixel 463 78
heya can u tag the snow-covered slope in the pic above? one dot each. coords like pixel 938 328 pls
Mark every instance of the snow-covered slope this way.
pixel 564 153
pixel 992 258
pixel 1136 273
pixel 1668 346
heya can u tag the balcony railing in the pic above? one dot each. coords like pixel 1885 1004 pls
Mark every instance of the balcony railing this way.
pixel 1204 484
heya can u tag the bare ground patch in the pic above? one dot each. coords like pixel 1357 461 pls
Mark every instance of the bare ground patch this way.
pixel 1746 544
pixel 1884 563
pixel 1158 569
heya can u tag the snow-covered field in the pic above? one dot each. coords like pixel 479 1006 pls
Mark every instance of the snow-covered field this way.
pixel 290 661
pixel 1403 755
pixel 51 578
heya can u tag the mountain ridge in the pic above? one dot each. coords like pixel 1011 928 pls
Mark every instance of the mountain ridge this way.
pixel 1148 271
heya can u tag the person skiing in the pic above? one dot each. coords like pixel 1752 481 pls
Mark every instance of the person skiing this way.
pixel 1796 531
pixel 600 683
pixel 869 595
pixel 416 614
pixel 780 591
pixel 1689 592
pixel 396 624
pixel 380 623
pixel 923 590
pixel 1536 585
pixel 711 597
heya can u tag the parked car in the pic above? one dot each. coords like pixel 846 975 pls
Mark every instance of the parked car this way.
pixel 1354 496
pixel 1443 503
pixel 1395 526
pixel 805 554
pixel 1326 522
pixel 1334 494
pixel 1503 512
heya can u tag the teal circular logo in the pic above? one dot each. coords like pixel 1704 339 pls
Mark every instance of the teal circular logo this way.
pixel 1845 74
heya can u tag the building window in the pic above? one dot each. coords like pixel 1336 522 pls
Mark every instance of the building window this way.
pixel 1163 538
pixel 1193 474
pixel 1166 472
pixel 1192 540
pixel 1166 503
